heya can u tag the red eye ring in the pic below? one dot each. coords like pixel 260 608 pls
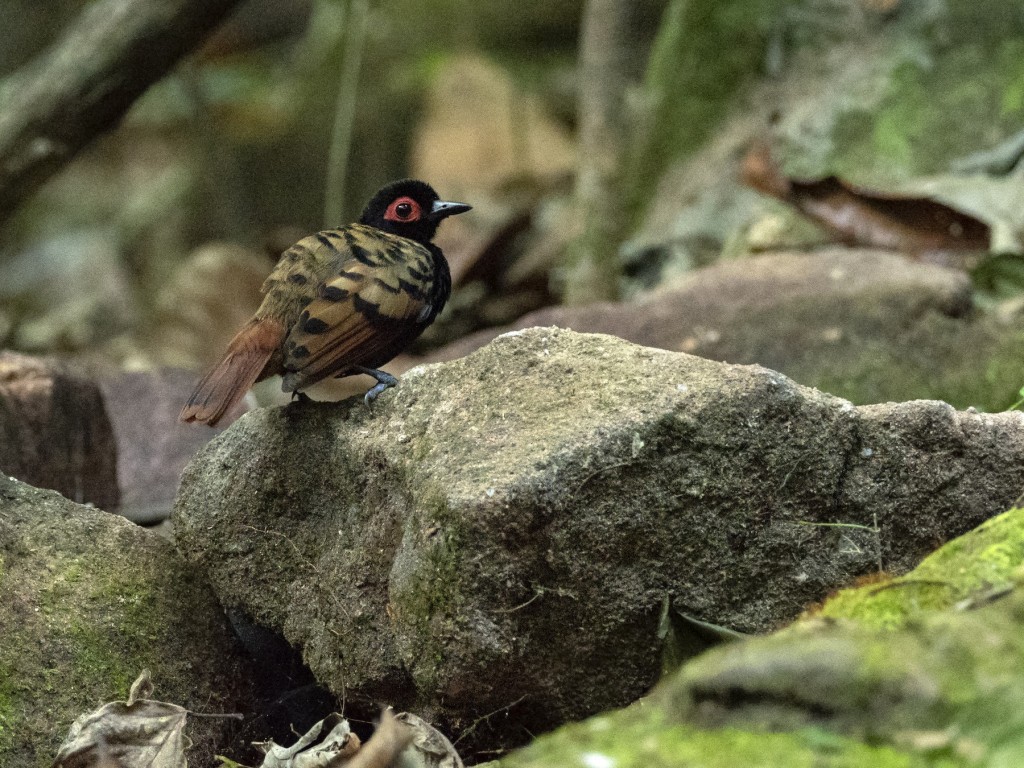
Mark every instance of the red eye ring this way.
pixel 404 209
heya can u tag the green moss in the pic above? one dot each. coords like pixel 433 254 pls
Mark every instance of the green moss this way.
pixel 7 705
pixel 100 621
pixel 944 689
pixel 641 737
pixel 429 596
pixel 705 52
pixel 98 662
pixel 98 618
pixel 89 601
pixel 919 123
pixel 985 562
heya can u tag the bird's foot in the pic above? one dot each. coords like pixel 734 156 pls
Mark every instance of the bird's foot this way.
pixel 302 397
pixel 384 381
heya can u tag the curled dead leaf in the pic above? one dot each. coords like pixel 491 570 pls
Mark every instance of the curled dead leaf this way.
pixel 429 748
pixel 124 734
pixel 918 226
pixel 338 745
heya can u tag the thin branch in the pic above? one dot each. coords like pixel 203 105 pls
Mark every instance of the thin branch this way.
pixel 488 716
pixel 83 85
pixel 593 268
pixel 345 112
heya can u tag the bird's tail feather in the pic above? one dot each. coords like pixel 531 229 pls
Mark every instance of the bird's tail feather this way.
pixel 231 378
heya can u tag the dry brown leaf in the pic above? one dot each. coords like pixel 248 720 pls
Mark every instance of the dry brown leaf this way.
pixel 918 226
pixel 385 746
pixel 429 748
pixel 404 740
pixel 338 745
pixel 138 733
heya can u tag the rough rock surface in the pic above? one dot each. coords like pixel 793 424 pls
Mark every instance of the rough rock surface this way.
pixel 87 600
pixel 504 531
pixel 866 325
pixel 923 670
pixel 54 431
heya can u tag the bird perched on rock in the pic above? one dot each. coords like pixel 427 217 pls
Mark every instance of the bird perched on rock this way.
pixel 340 302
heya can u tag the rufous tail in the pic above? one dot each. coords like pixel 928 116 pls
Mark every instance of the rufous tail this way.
pixel 231 378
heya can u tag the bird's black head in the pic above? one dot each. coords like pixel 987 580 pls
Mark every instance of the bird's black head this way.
pixel 409 208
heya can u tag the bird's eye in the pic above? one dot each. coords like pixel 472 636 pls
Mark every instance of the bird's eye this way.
pixel 403 209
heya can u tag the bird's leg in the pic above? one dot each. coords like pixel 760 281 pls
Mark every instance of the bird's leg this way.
pixel 302 397
pixel 384 380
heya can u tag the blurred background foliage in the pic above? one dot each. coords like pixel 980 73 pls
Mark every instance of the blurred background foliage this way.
pixel 150 247
pixel 234 147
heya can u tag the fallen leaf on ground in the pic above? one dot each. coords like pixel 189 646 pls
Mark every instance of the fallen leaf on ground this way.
pixel 918 226
pixel 682 636
pixel 429 748
pixel 337 747
pixel 400 741
pixel 126 734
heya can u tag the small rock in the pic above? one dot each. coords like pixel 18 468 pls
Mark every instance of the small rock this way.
pixel 152 446
pixel 205 302
pixel 54 431
pixel 869 326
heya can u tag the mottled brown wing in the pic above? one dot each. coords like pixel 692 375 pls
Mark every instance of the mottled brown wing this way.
pixel 361 314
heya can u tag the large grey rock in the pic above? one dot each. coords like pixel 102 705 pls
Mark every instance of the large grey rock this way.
pixel 504 531
pixel 900 673
pixel 87 600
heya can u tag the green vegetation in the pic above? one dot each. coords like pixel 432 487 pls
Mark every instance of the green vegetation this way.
pixel 980 566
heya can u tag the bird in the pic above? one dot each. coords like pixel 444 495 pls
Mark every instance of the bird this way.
pixel 340 302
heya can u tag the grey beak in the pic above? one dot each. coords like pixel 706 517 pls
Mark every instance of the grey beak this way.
pixel 443 209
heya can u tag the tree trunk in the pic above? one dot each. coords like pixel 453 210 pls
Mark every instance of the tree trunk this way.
pixel 86 82
pixel 593 265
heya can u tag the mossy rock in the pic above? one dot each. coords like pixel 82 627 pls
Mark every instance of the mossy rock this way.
pixel 980 566
pixel 87 601
pixel 921 670
pixel 647 736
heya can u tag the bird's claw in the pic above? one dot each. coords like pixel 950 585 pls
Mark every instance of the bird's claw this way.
pixel 372 392
pixel 384 381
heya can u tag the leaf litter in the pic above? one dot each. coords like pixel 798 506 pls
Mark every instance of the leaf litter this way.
pixel 136 733
pixel 144 733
